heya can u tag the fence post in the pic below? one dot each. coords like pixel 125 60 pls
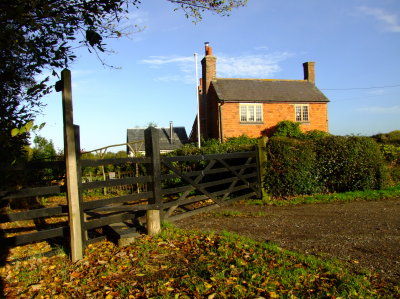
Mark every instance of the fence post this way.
pixel 75 215
pixel 79 177
pixel 262 159
pixel 153 150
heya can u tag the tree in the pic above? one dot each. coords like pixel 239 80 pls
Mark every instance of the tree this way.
pixel 43 149
pixel 39 36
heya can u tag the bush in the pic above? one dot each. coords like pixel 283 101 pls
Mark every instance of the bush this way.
pixel 287 128
pixel 290 167
pixel 214 146
pixel 326 164
pixel 315 134
pixel 388 138
pixel 350 163
pixel 391 153
pixel 292 129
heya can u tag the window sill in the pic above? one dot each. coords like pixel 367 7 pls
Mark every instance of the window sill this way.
pixel 251 123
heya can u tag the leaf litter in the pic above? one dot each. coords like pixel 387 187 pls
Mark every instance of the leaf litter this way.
pixel 187 264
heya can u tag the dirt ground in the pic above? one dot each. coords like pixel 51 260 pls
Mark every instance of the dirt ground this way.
pixel 364 234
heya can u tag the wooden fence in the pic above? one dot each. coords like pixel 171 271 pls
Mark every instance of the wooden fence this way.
pixel 176 187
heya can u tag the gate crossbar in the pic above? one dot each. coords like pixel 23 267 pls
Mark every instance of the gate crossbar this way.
pixel 186 193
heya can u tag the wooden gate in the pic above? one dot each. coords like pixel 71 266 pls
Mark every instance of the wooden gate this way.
pixel 208 181
pixel 177 186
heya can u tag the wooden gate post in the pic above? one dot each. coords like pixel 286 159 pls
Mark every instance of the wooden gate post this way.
pixel 79 179
pixel 262 159
pixel 74 208
pixel 152 147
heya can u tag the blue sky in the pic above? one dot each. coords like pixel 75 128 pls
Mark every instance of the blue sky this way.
pixel 355 44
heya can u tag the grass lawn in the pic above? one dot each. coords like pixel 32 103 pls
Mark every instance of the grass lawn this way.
pixel 391 192
pixel 189 264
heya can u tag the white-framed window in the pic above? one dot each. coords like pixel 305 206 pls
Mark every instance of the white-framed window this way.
pixel 302 113
pixel 251 113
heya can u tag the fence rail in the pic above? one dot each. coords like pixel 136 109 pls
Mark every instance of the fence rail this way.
pixel 177 186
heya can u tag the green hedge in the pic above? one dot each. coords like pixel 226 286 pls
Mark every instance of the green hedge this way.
pixel 324 164
pixel 214 146
pixel 290 167
pixel 350 163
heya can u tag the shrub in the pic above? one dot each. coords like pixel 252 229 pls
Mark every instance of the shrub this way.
pixel 390 147
pixel 315 134
pixel 325 164
pixel 349 163
pixel 290 167
pixel 292 129
pixel 214 146
pixel 388 138
pixel 287 128
pixel 391 153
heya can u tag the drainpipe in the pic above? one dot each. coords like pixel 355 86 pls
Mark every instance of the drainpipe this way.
pixel 221 131
pixel 171 132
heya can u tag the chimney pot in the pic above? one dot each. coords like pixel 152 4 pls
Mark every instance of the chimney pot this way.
pixel 208 49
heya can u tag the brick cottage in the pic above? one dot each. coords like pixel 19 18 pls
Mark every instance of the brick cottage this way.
pixel 233 107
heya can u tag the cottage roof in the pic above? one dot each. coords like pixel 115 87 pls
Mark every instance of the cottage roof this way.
pixel 259 90
pixel 179 137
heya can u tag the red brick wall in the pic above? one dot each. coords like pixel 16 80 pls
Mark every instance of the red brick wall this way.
pixel 272 114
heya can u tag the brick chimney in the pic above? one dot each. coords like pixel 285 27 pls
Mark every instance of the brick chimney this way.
pixel 209 68
pixel 209 73
pixel 309 71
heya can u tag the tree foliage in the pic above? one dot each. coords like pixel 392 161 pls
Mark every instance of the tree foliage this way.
pixel 392 138
pixel 43 149
pixel 39 37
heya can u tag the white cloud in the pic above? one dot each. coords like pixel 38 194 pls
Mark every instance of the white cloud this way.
pixel 247 66
pixel 259 48
pixel 183 68
pixel 160 60
pixel 187 79
pixel 82 73
pixel 379 91
pixel 389 20
pixel 250 66
pixel 381 110
pixel 138 17
pixel 132 24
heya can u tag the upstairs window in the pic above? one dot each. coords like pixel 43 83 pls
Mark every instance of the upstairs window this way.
pixel 251 113
pixel 302 113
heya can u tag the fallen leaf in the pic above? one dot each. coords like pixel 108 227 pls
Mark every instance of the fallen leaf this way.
pixel 273 295
pixel 207 285
pixel 36 287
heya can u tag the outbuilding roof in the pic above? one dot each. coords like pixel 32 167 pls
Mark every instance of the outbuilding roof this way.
pixel 265 90
pixel 179 137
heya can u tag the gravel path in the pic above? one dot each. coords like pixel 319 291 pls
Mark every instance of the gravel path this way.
pixel 365 234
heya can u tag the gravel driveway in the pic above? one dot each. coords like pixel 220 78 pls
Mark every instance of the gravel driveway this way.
pixel 365 234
